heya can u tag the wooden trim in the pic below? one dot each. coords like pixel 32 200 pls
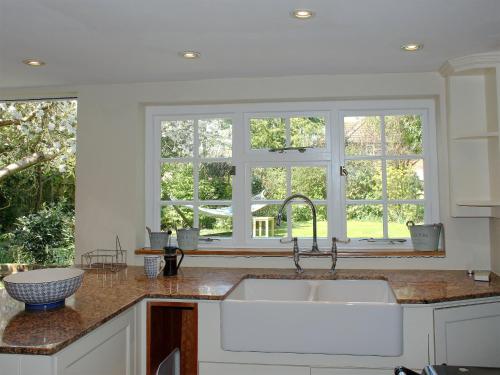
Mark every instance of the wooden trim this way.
pixel 397 253
pixel 186 314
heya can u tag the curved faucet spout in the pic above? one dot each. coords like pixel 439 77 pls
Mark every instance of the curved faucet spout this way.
pixel 313 209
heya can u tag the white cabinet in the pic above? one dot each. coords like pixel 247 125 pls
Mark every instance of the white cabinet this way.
pixel 468 335
pixel 473 102
pixel 108 350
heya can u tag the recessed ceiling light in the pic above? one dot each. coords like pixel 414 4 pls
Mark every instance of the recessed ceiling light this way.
pixel 302 14
pixel 190 54
pixel 33 62
pixel 412 47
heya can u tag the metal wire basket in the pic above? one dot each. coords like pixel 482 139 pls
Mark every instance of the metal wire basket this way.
pixel 112 260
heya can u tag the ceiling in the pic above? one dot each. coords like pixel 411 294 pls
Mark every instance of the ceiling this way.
pixel 115 41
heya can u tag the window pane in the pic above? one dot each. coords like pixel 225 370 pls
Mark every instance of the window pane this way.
pixel 215 181
pixel 405 179
pixel 362 135
pixel 177 138
pixel 302 223
pixel 310 181
pixel 264 221
pixel 267 133
pixel 216 221
pixel 176 217
pixel 403 135
pixel 307 132
pixel 399 214
pixel 215 138
pixel 177 181
pixel 364 180
pixel 365 221
pixel 269 183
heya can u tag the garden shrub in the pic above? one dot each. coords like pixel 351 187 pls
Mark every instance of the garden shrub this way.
pixel 45 237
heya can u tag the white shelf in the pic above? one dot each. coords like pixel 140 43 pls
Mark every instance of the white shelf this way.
pixel 477 136
pixel 479 203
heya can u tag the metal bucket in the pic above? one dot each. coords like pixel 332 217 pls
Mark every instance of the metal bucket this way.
pixel 187 239
pixel 425 237
pixel 158 240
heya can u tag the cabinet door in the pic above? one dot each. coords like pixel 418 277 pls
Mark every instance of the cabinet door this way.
pixel 207 368
pixel 468 335
pixel 109 350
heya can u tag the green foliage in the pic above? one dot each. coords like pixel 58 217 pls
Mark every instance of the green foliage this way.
pixel 46 127
pixel 303 212
pixel 45 237
pixel 39 192
pixel 307 132
pixel 215 181
pixel 270 180
pixel 267 133
pixel 403 136
pixel 6 255
pixel 309 181
pixel 271 132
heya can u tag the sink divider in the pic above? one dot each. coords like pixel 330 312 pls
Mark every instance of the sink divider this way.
pixel 313 292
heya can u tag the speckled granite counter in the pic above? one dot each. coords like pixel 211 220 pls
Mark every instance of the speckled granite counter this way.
pixel 105 295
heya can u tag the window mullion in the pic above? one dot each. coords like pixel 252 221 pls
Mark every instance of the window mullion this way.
pixel 339 211
pixel 288 193
pixel 196 174
pixel 384 178
pixel 239 196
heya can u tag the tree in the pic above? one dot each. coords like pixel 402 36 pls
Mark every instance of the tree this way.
pixel 34 133
pixel 37 146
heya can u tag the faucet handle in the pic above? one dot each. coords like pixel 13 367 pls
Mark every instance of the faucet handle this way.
pixel 295 242
pixel 334 251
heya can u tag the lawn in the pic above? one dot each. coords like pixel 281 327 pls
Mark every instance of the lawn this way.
pixel 356 229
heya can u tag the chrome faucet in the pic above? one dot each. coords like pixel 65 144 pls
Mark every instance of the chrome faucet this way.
pixel 313 209
pixel 315 250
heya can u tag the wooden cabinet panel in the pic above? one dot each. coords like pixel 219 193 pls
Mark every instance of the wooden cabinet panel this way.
pixel 172 325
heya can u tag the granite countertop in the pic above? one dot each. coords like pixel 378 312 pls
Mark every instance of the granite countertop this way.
pixel 104 295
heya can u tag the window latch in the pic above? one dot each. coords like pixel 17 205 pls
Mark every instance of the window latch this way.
pixel 232 172
pixel 343 171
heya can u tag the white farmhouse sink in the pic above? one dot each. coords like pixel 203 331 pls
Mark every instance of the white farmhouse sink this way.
pixel 355 317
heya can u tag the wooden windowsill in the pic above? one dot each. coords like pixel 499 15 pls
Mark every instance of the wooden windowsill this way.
pixel 393 253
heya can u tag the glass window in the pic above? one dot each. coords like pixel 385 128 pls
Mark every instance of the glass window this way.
pixel 196 175
pixel 271 184
pixel 287 131
pixel 385 182
pixel 213 169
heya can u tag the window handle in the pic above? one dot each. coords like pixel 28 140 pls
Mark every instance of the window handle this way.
pixel 343 171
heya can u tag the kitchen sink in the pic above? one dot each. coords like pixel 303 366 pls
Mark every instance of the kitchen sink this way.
pixel 354 317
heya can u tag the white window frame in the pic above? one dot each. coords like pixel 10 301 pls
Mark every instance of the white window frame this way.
pixel 426 110
pixel 244 158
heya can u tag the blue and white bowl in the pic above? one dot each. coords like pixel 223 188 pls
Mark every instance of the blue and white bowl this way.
pixel 43 289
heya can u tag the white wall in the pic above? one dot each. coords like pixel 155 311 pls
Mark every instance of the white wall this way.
pixel 110 157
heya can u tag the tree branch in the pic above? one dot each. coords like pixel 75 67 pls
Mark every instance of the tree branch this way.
pixel 24 163
pixel 26 119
